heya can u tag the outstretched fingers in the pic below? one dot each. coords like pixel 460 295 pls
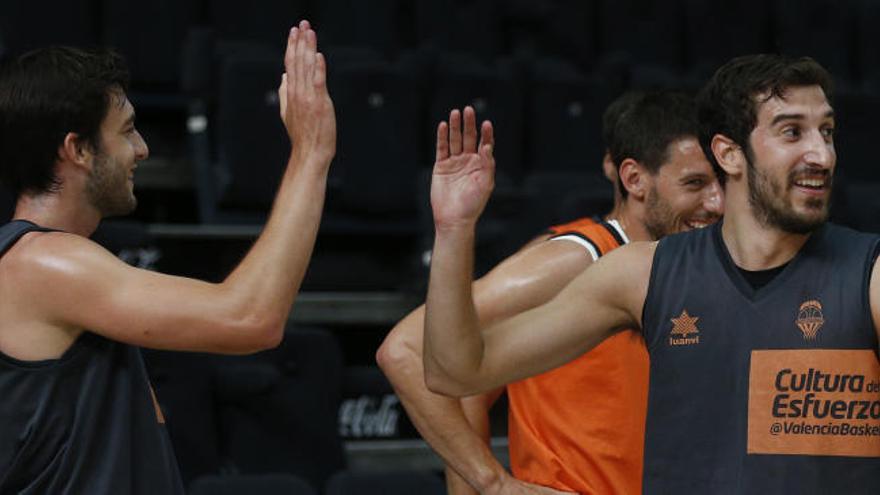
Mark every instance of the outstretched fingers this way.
pixel 319 80
pixel 470 130
pixel 299 55
pixel 442 141
pixel 309 58
pixel 290 53
pixel 487 140
pixel 455 132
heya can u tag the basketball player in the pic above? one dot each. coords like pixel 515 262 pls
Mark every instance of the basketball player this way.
pixel 78 414
pixel 556 440
pixel 760 329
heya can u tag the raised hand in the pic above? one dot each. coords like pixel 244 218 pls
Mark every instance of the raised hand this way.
pixel 464 172
pixel 306 108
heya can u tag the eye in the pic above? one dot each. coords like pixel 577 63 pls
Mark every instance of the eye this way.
pixel 695 183
pixel 828 132
pixel 792 132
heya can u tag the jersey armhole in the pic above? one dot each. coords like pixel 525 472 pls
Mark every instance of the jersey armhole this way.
pixel 582 241
pixel 649 341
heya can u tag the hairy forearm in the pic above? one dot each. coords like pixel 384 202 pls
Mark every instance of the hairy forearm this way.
pixel 453 345
pixel 442 422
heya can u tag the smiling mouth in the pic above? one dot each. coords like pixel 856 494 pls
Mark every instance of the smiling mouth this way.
pixel 815 181
pixel 698 224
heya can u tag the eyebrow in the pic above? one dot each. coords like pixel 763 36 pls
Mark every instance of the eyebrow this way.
pixel 693 175
pixel 796 116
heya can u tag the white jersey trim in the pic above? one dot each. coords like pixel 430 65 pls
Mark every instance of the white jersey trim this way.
pixel 589 246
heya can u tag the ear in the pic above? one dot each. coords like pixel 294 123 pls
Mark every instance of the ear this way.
pixel 729 155
pixel 635 178
pixel 75 150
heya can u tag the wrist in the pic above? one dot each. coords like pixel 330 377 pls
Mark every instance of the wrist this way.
pixel 312 162
pixel 491 479
pixel 455 227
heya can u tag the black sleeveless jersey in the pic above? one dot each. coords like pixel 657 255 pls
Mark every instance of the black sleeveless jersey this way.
pixel 775 390
pixel 86 423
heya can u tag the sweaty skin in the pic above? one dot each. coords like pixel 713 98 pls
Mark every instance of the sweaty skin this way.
pixel 458 431
pixel 54 286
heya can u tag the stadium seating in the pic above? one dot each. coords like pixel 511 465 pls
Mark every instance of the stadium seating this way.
pixel 385 483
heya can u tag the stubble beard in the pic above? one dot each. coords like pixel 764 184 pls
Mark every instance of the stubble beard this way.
pixel 767 200
pixel 108 189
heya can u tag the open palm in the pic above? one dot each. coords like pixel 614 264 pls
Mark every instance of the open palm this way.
pixel 464 173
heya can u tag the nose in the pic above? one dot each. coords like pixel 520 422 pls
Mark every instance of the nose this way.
pixel 820 150
pixel 141 150
pixel 713 200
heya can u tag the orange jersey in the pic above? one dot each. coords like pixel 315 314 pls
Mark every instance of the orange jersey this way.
pixel 581 427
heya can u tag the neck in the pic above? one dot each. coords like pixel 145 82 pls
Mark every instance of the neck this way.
pixel 752 245
pixel 629 214
pixel 57 211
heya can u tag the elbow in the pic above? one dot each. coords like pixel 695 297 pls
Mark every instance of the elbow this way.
pixel 396 357
pixel 438 383
pixel 270 335
pixel 441 383
pixel 259 333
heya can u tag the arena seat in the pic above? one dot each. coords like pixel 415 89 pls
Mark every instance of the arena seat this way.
pixel 717 31
pixel 267 21
pixel 564 119
pixel 478 26
pixel 26 25
pixel 648 33
pixel 562 28
pixel 822 29
pixel 383 25
pixel 855 138
pixel 278 408
pixel 495 91
pixel 868 45
pixel 267 484
pixel 385 483
pixel 379 152
pixel 241 149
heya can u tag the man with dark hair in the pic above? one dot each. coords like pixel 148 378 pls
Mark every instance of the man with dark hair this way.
pixel 761 329
pixel 78 414
pixel 556 440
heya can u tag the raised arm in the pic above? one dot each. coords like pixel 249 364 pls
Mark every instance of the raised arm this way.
pixel 72 283
pixel 458 431
pixel 462 359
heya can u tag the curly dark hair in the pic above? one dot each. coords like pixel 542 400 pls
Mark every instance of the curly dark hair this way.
pixel 728 104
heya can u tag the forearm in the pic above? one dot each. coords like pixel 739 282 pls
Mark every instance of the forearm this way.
pixel 453 346
pixel 268 278
pixel 476 411
pixel 441 421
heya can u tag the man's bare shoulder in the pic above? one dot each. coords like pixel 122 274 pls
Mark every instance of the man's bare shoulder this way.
pixel 50 252
pixel 46 263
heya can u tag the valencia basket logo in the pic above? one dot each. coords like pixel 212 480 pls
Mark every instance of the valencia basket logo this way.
pixel 810 319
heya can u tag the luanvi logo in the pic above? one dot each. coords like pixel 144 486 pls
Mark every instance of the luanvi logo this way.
pixel 810 319
pixel 684 330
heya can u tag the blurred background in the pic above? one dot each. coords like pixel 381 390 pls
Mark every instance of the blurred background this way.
pixel 316 414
